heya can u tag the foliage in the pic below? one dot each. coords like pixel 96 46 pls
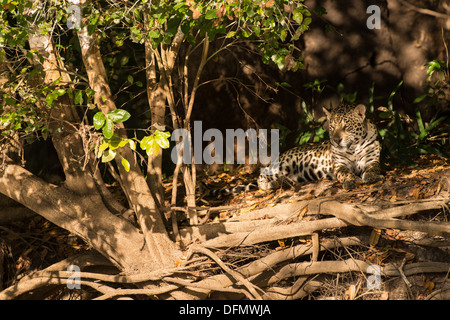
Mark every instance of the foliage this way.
pixel 272 25
pixel 309 129
pixel 400 142
pixel 401 136
pixel 107 150
pixel 437 83
pixel 107 123
pixel 346 97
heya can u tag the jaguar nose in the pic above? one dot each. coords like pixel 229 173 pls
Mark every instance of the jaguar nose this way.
pixel 337 140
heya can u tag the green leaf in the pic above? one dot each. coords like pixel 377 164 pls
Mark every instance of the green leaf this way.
pixel 132 144
pixel 124 60
pixel 186 26
pixel 99 153
pixel 230 34
pixel 278 60
pixel 211 14
pixel 286 85
pixel 283 34
pixel 145 142
pixel 60 92
pixel 50 98
pixel 320 10
pixel 125 164
pixel 420 98
pixel 434 123
pixel 123 143
pixel 90 93
pixel 130 79
pixel 250 12
pixel 385 115
pixel 78 97
pixel 149 145
pixel 382 132
pixel 172 26
pixel 103 146
pixel 10 102
pixel 391 96
pixel 154 34
pixel 423 133
pixel 118 115
pixel 108 129
pixel 305 137
pixel 99 120
pixel 108 155
pixel 162 139
pixel 298 16
pixel 435 65
pixel 114 142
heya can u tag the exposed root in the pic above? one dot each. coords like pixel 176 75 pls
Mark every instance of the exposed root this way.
pixel 294 271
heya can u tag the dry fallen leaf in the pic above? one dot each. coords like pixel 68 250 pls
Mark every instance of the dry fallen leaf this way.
pixel 429 286
pixel 384 296
pixel 248 209
pixel 374 237
pixel 416 193
pixel 428 194
pixel 438 189
pixel 224 175
pixel 409 256
pixel 350 293
pixel 302 213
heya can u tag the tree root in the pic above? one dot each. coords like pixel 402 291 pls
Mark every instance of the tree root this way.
pixel 269 276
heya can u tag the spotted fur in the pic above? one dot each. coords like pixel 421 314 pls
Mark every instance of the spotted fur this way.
pixel 351 155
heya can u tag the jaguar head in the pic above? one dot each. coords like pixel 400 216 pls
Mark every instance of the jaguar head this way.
pixel 347 126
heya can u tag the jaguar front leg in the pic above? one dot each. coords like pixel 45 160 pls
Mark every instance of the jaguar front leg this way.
pixel 372 174
pixel 346 177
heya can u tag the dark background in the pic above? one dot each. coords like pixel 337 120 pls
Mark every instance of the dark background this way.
pixel 351 55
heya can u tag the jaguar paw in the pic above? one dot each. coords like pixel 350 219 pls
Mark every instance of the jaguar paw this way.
pixel 350 184
pixel 370 179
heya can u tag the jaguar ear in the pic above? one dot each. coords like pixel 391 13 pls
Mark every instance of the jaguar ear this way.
pixel 360 111
pixel 327 112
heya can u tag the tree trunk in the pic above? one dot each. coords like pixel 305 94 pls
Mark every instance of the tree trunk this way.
pixel 78 205
pixel 157 103
pixel 161 248
pixel 85 216
pixel 159 92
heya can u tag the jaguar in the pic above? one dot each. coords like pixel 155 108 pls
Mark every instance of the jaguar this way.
pixel 350 156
